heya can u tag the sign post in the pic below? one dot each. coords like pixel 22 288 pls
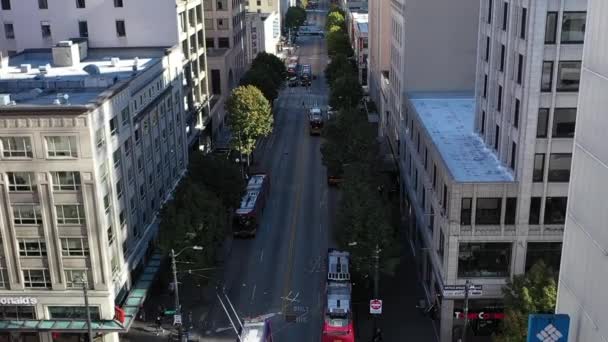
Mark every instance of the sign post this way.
pixel 548 328
pixel 375 306
pixel 458 291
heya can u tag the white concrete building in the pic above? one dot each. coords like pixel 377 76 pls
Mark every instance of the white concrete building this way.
pixel 263 6
pixel 119 24
pixel 379 27
pixel 584 265
pixel 263 34
pixel 91 147
pixel 486 173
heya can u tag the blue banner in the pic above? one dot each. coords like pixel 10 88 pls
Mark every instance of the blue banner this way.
pixel 548 328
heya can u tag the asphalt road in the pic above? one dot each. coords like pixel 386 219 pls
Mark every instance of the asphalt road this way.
pixel 282 269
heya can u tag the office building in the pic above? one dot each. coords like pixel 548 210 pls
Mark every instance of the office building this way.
pixel 263 34
pixel 584 265
pixel 357 25
pixel 90 149
pixel 379 27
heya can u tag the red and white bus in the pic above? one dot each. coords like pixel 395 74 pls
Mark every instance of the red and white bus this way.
pixel 248 216
pixel 338 322
pixel 256 330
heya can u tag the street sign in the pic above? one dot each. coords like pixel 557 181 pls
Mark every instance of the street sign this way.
pixel 177 319
pixel 375 306
pixel 548 328
pixel 457 291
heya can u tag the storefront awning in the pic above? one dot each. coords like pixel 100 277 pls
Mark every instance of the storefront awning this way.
pixel 138 293
pixel 106 326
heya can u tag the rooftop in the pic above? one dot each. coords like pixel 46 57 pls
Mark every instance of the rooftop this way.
pixel 448 119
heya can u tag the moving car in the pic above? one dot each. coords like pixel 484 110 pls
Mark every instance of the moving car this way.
pixel 315 119
pixel 337 316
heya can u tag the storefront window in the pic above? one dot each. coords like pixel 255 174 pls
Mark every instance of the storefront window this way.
pixel 485 316
pixel 548 252
pixel 17 312
pixel 72 312
pixel 484 260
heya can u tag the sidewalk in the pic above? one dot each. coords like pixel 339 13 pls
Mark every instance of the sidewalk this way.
pixel 400 319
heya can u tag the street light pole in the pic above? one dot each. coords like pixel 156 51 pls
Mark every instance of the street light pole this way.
pixel 85 290
pixel 466 310
pixel 376 281
pixel 176 287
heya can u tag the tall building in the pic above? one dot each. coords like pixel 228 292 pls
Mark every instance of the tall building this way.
pixel 485 172
pixel 263 34
pixel 584 268
pixel 358 33
pixel 120 24
pixel 379 26
pixel 225 29
pixel 90 149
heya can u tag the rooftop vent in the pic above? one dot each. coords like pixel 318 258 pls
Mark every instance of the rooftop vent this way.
pixel 114 61
pixel 64 43
pixel 62 99
pixel 44 69
pixel 25 68
pixel 92 69
pixel 66 54
pixel 135 63
pixel 5 99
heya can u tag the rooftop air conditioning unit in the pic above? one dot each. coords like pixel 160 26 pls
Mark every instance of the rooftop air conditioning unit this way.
pixel 44 69
pixel 25 68
pixel 114 61
pixel 5 99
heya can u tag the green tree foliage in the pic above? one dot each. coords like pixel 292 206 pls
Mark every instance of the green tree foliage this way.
pixel 250 117
pixel 194 217
pixel 218 174
pixel 339 65
pixel 295 17
pixel 334 18
pixel 303 3
pixel 346 92
pixel 262 78
pixel 338 43
pixel 334 29
pixel 273 63
pixel 533 292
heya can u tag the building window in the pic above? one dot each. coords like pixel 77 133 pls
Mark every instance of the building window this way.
pixel 83 29
pixel 496 137
pixel 568 76
pixel 45 29
pixel 524 19
pixel 209 42
pixel 502 58
pixel 74 279
pixel 21 181
pixel 118 3
pixel 441 246
pixel 485 86
pixel 110 235
pixel 444 203
pixel 223 43
pixel 487 48
pixel 36 278
pixel 573 27
pixel 116 156
pixel 513 154
pixel 559 167
pixel 555 210
pixel 80 4
pixel 216 86
pixel 32 247
pixel 465 212
pixel 66 180
pixel 114 128
pixel 119 188
pixel 484 260
pixel 16 147
pixel 70 214
pixel 564 121
pixel 125 116
pixel 490 11
pixel 73 312
pixel 9 31
pixel 26 214
pixel 551 28
pixel 534 210
pixel 546 81
pixel 539 167
pixel 505 15
pixel 6 5
pixel 499 99
pixel 483 122
pixel 74 247
pixel 121 30
pixel 516 114
pixel 548 252
pixel 18 313
pixel 510 210
pixel 488 210
pixel 543 122
pixel 520 68
pixel 61 146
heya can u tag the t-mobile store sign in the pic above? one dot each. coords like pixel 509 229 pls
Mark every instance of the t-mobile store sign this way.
pixel 18 301
pixel 480 315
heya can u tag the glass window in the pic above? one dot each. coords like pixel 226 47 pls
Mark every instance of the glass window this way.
pixel 505 15
pixel 223 43
pixel 32 247
pixel 16 147
pixel 80 4
pixel 516 113
pixel 83 28
pixel 121 30
pixel 116 156
pixel 520 68
pixel 6 5
pixel 70 214
pixel 465 212
pixel 74 278
pixel 502 57
pixel 539 166
pixel 100 137
pixel 484 260
pixel 548 252
pixel 488 211
pixel 26 214
pixel 14 312
pixel 74 247
pixel 546 80
pixel 487 48
pixel 490 11
pixel 45 29
pixel 61 146
pixel 66 180
pixel 36 278
pixel 114 128
pixel 573 27
pixel 568 76
pixel 21 181
pixel 543 122
pixel 524 19
pixel 118 3
pixel 9 31
pixel 559 167
pixel 73 312
pixel 3 283
pixel 510 210
pixel 534 210
pixel 555 210
pixel 564 120
pixel 551 28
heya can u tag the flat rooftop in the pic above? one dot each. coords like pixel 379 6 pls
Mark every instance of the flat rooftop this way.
pixel 448 119
pixel 32 88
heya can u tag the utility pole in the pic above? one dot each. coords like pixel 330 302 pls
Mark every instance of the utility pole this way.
pixel 376 281
pixel 176 289
pixel 85 290
pixel 466 310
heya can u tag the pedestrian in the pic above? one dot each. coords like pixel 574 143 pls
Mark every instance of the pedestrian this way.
pixel 377 336
pixel 190 319
pixel 142 313
pixel 159 325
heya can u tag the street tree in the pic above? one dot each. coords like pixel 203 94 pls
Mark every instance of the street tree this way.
pixel 250 117
pixel 263 78
pixel 273 63
pixel 334 18
pixel 339 66
pixel 218 174
pixel 303 3
pixel 346 92
pixel 195 216
pixel 295 17
pixel 334 28
pixel 338 43
pixel 529 293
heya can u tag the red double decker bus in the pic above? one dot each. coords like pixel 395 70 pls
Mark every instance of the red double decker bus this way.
pixel 338 322
pixel 248 216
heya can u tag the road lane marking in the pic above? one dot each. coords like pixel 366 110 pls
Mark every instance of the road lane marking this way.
pixel 262 256
pixel 253 293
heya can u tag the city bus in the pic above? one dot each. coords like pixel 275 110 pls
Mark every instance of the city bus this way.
pixel 249 214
